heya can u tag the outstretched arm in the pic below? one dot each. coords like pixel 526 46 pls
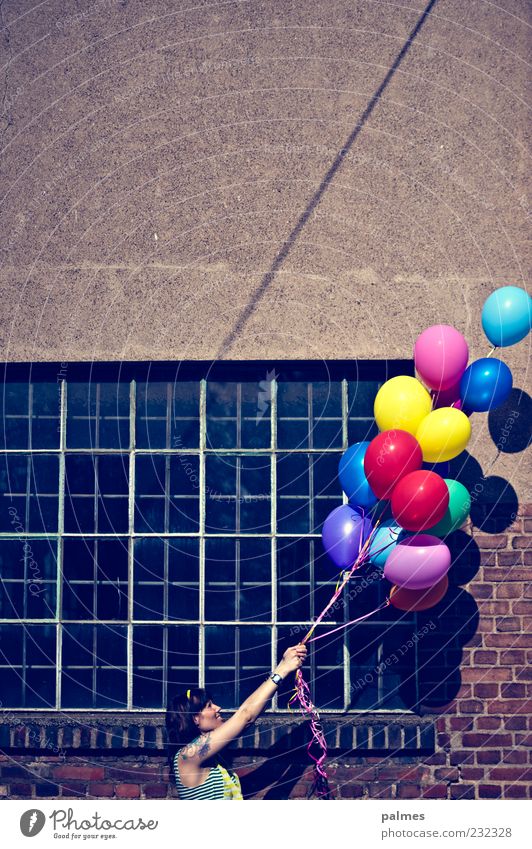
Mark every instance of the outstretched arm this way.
pixel 212 742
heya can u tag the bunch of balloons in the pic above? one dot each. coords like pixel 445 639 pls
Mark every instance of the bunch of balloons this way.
pixel 422 420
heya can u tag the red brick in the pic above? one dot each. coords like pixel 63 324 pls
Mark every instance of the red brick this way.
pixel 515 791
pixel 489 791
pixel 521 542
pixel 506 573
pixel 471 706
pixel 133 775
pixel 513 691
pixel 155 791
pixel 512 657
pixel 476 740
pixel 511 773
pixel 509 558
pixel 513 590
pixel 486 691
pixel 485 658
pixel 511 707
pixel 99 790
pixel 20 789
pixel 473 773
pixel 481 675
pixel 522 607
pixel 523 740
pixel 75 789
pixel 524 674
pixel 494 608
pixel 127 791
pixel 492 541
pixel 462 723
pixel 79 773
pixel 506 641
pixel 462 791
pixel 515 756
pixel 435 791
pixel 490 722
pixel 489 756
pixel 352 791
pixel 461 756
pixel 447 774
pixel 482 590
pixel 380 791
pixel 515 723
pixel 408 791
pixel 508 623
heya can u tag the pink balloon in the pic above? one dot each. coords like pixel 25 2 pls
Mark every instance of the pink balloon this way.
pixel 418 562
pixel 440 356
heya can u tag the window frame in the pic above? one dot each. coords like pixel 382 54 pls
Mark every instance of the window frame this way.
pixel 135 373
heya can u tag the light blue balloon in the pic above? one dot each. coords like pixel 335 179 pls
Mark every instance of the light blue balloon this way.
pixel 387 535
pixel 353 479
pixel 507 316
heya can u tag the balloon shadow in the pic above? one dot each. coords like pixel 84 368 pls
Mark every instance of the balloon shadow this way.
pixel 452 624
pixel 494 501
pixel 510 425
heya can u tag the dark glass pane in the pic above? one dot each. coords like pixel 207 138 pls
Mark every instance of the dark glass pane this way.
pixel 12 557
pixel 361 397
pixel 11 686
pixel 98 415
pixel 220 664
pixel 41 600
pixel 12 644
pixel 167 415
pixel 11 600
pixel 363 653
pixel 293 580
pixel 78 601
pixel 149 560
pixel 78 559
pixel 15 432
pixel 40 688
pixel 183 560
pixel 46 411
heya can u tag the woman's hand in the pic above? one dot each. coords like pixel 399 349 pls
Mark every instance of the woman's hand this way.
pixel 293 659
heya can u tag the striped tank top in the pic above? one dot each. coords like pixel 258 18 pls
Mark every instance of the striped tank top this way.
pixel 219 784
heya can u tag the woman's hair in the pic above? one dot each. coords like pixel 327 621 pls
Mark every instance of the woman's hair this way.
pixel 181 709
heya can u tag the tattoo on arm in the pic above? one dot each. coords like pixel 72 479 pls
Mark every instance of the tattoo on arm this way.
pixel 200 746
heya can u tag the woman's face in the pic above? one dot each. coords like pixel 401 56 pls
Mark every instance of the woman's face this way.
pixel 209 718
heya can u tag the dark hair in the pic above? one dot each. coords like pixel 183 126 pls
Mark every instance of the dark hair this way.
pixel 181 709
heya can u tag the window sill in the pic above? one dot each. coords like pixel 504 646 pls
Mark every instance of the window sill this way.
pixel 56 734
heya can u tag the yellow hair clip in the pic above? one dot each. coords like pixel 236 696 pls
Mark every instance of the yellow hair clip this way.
pixel 188 695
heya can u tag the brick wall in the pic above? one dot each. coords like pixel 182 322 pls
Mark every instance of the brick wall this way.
pixel 471 737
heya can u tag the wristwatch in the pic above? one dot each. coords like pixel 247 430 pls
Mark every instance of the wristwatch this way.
pixel 276 678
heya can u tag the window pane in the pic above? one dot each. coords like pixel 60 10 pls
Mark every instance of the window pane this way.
pixel 96 493
pixel 98 415
pixel 163 654
pixel 167 415
pixel 27 666
pixel 238 494
pixel 95 579
pixel 28 572
pixel 237 659
pixel 238 579
pixel 29 493
pixel 94 666
pixel 239 414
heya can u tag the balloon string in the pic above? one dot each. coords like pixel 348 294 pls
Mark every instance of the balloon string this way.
pixel 352 622
pixel 492 350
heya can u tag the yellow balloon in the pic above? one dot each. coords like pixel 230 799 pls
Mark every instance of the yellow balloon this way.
pixel 443 434
pixel 401 404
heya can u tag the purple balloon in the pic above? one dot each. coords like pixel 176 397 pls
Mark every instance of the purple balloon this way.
pixel 344 532
pixel 418 562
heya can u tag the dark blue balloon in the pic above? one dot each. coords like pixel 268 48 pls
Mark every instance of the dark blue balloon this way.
pixel 352 476
pixel 485 385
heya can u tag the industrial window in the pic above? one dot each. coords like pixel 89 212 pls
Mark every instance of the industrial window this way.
pixel 160 527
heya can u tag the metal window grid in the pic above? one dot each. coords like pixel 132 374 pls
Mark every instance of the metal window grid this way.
pixel 202 451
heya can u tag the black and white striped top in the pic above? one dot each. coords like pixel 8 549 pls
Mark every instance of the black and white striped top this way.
pixel 219 784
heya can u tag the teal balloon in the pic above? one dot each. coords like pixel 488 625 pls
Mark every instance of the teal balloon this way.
pixel 507 316
pixel 485 385
pixel 387 535
pixel 457 511
pixel 353 479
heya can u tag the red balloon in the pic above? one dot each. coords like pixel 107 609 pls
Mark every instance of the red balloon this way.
pixel 420 500
pixel 404 599
pixel 389 457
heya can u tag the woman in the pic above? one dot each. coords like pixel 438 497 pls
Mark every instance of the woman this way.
pixel 199 733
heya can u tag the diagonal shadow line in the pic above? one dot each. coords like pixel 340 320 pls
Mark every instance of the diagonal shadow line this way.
pixel 313 203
